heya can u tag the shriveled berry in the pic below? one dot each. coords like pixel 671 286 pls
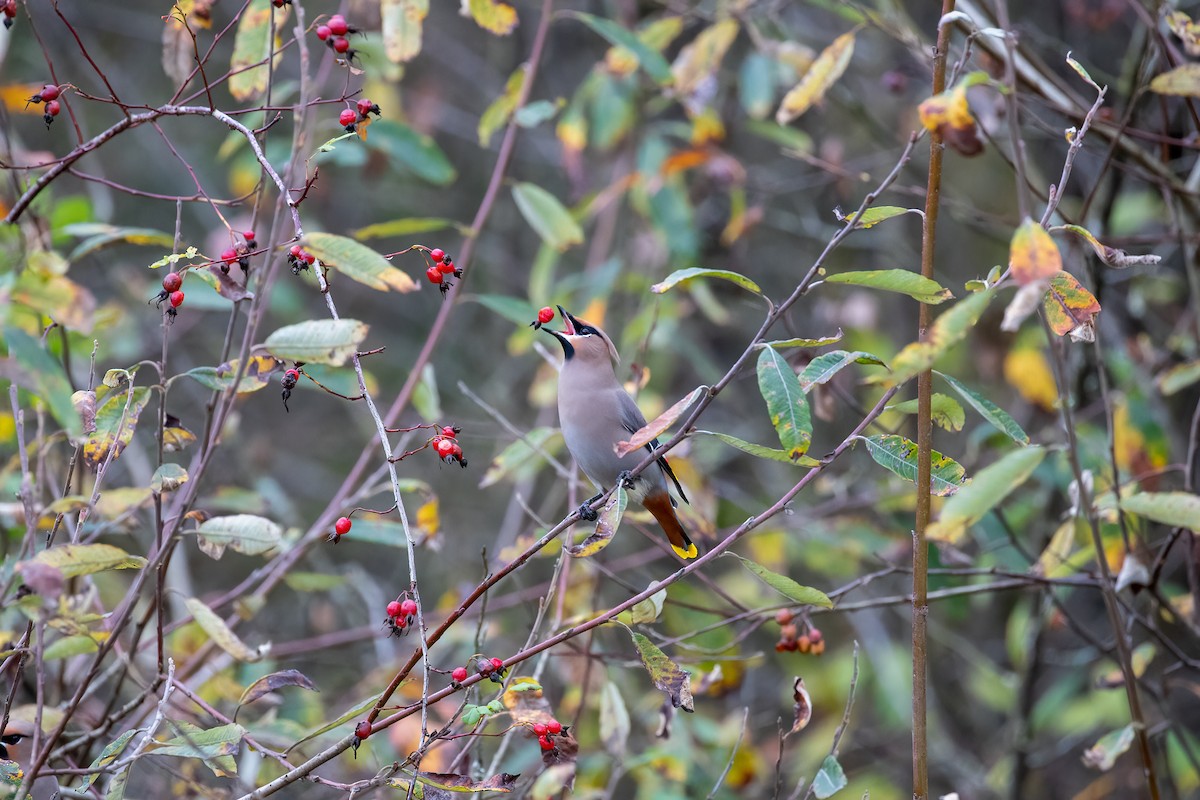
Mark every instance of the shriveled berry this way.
pixel 172 281
pixel 337 25
pixel 347 119
pixel 554 727
pixel 545 314
pixel 459 674
pixel 342 526
pixel 176 299
pixel 434 275
pixel 365 107
pixel 783 616
pixel 362 730
pixel 484 666
pixel 408 608
pixel 539 729
pixel 323 32
pixel 393 608
pixel 545 743
pixel 341 44
pixel 437 254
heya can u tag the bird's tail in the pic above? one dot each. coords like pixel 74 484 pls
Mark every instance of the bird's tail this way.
pixel 659 504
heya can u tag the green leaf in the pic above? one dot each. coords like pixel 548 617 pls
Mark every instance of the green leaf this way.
pixel 987 490
pixel 790 139
pixel 256 376
pixel 69 646
pixel 168 478
pixel 38 372
pixel 107 756
pixel 533 114
pixel 1179 377
pixel 761 451
pixel 988 410
pixel 252 48
pixel 830 778
pixel 353 712
pixel 496 115
pixel 805 595
pixel 216 747
pixel 902 281
pixel 73 560
pixel 514 309
pixel 378 531
pixel 358 262
pixel 871 217
pixel 780 344
pixel 520 459
pixel 493 16
pixel 100 235
pixel 786 403
pixel 546 215
pixel 56 296
pixel 246 533
pixel 312 581
pixel 899 455
pixel 946 412
pixel 648 58
pixel 682 277
pixel 606 527
pixel 273 682
pixel 1178 509
pixel 408 226
pixel 325 341
pixel 413 151
pixel 614 720
pixel 644 612
pixel 756 85
pixel 1104 753
pixel 666 674
pixel 822 368
pixel 948 329
pixel 401 23
pixel 221 634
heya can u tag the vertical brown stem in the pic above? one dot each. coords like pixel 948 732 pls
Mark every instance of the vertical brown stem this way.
pixel 920 607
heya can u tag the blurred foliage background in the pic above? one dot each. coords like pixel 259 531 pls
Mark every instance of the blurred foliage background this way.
pixel 657 178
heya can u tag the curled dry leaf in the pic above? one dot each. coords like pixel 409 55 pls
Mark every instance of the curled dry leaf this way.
pixel 1024 303
pixel 802 710
pixel 85 404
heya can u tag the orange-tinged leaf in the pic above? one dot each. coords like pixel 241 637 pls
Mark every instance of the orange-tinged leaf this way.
pixel 15 98
pixel 683 160
pixel 802 706
pixel 1033 255
pixel 652 430
pixel 1068 304
pixel 115 422
pixel 1027 371
pixel 823 73
pixel 948 108
pixel 493 16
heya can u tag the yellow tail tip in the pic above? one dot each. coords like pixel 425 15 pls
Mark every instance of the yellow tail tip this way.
pixel 685 553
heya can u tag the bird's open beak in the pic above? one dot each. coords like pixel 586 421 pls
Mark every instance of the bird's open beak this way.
pixel 570 324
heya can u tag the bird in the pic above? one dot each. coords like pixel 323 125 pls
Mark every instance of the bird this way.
pixel 15 743
pixel 595 413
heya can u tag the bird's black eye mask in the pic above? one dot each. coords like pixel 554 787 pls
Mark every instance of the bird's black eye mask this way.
pixel 11 739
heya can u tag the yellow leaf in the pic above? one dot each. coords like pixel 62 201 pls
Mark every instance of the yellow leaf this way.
pixel 402 22
pixel 493 16
pixel 1068 305
pixel 823 73
pixel 948 108
pixel 707 127
pixel 1032 254
pixel 15 98
pixel 703 56
pixel 1183 81
pixel 1027 371
pixel 428 519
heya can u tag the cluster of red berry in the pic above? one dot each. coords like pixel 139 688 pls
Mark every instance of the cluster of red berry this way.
pixel 290 378
pixel 546 731
pixel 239 254
pixel 544 316
pixel 300 259
pixel 171 291
pixel 401 613
pixel 443 266
pixel 49 93
pixel 340 529
pixel 790 638
pixel 10 11
pixel 350 117
pixel 335 33
pixel 446 445
pixel 492 668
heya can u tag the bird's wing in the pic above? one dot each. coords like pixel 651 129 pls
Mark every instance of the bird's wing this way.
pixel 633 421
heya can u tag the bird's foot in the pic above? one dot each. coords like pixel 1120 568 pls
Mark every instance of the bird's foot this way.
pixel 586 512
pixel 625 480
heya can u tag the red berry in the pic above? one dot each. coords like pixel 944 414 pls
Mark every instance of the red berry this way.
pixel 362 730
pixel 347 118
pixel 176 299
pixel 459 675
pixel 554 727
pixel 307 256
pixel 408 608
pixel 342 526
pixel 446 267
pixel 398 622
pixel 783 616
pixel 293 373
pixel 337 25
pixel 341 44
pixel 10 11
pixel 456 452
pixel 815 635
pixel 229 255
pixel 434 275
pixel 539 729
pixel 497 663
pixel 437 254
pixel 444 447
pixel 49 91
pixel 545 743
pixel 249 236
pixel 393 608
pixel 172 281
pixel 545 315
pixel 53 107
pixel 296 251
pixel 364 107
pixel 449 432
pixel 323 32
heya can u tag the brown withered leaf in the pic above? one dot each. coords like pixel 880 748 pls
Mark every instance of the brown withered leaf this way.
pixel 802 710
pixel 276 680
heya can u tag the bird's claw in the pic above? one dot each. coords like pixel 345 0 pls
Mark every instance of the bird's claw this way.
pixel 625 480
pixel 586 512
